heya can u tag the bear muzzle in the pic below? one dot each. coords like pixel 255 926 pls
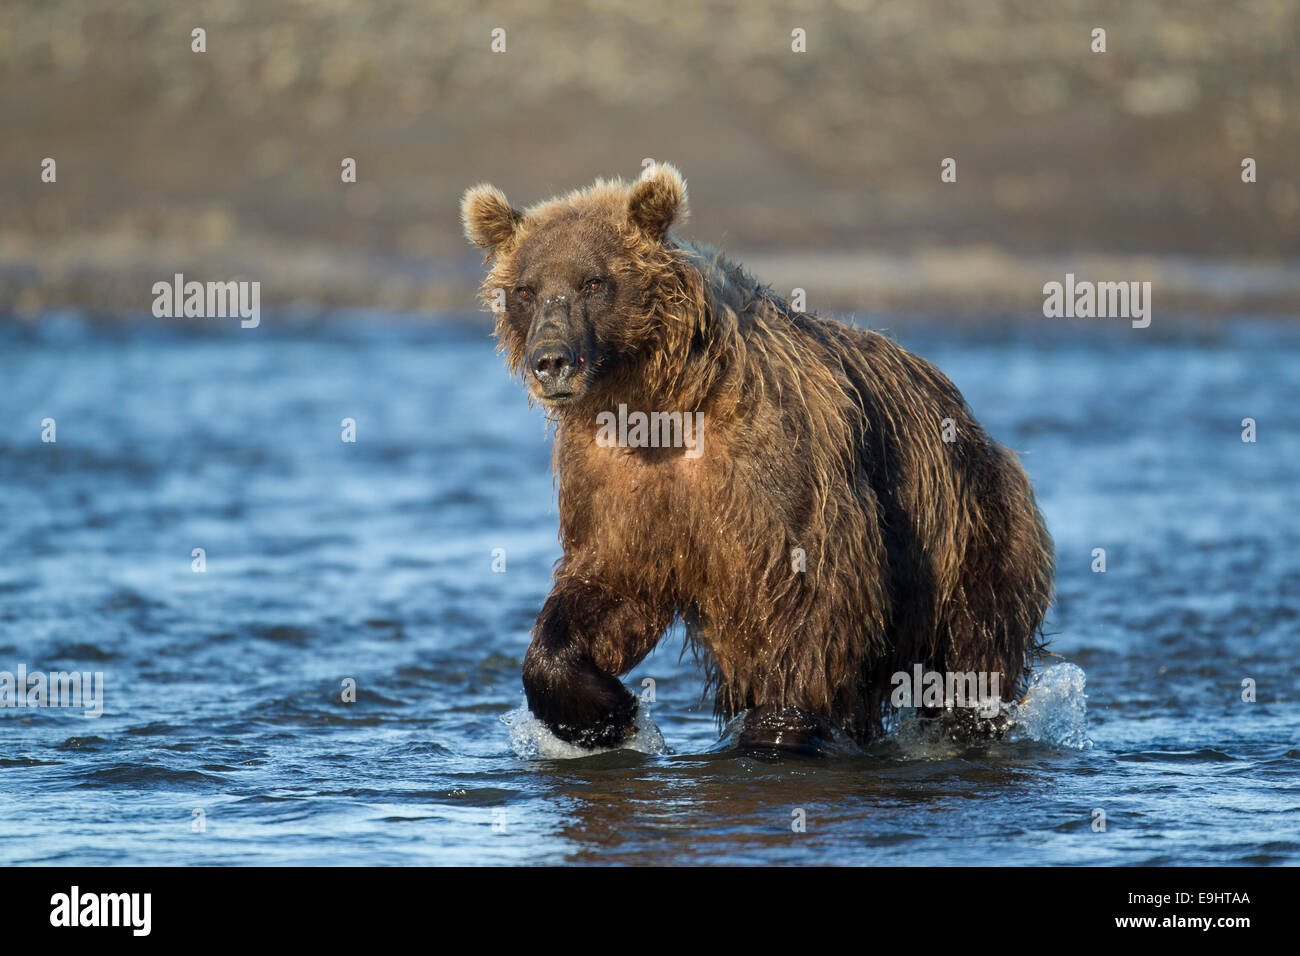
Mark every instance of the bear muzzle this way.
pixel 556 370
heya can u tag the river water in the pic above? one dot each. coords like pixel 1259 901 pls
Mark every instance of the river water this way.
pixel 226 735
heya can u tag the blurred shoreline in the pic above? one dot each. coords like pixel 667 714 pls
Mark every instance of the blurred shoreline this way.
pixel 115 278
pixel 818 170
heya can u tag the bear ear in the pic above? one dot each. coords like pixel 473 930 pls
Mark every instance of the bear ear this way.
pixel 657 200
pixel 488 217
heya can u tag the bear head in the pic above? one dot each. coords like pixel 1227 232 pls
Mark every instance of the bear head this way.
pixel 587 289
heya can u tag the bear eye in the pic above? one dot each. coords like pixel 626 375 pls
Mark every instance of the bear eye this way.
pixel 592 285
pixel 524 293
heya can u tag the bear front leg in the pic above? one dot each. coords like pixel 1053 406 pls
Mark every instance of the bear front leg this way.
pixel 583 640
pixel 788 729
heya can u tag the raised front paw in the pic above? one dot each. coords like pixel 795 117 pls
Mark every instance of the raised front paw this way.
pixel 578 703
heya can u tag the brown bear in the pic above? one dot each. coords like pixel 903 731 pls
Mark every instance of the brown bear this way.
pixel 838 517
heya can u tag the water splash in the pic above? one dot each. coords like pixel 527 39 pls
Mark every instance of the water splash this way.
pixel 530 739
pixel 1054 710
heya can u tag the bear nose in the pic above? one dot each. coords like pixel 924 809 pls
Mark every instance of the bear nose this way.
pixel 552 364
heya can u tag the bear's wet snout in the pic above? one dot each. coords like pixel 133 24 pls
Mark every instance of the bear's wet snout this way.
pixel 553 366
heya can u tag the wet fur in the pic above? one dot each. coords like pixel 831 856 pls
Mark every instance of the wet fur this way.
pixel 817 436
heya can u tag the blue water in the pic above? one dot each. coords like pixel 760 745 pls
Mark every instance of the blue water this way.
pixel 372 561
